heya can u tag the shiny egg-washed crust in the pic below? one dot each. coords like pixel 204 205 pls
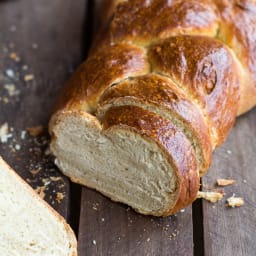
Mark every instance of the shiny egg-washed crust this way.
pixel 176 146
pixel 204 49
pixel 108 66
pixel 165 95
pixel 204 68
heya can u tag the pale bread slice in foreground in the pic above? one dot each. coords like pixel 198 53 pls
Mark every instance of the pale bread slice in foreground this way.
pixel 28 225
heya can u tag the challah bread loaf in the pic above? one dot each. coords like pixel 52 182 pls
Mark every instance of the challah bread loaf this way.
pixel 162 87
pixel 29 226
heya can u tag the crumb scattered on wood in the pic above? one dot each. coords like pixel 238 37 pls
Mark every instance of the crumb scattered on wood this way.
pixel 35 131
pixel 34 172
pixel 95 206
pixel 59 197
pixel 11 89
pixel 4 133
pixel 46 181
pixel 55 178
pixel 24 67
pixel 41 191
pixel 14 56
pixel 235 201
pixel 17 147
pixel 29 77
pixel 3 130
pixel 225 182
pixel 10 73
pixel 213 197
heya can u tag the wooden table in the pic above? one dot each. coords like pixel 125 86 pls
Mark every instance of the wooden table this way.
pixel 41 43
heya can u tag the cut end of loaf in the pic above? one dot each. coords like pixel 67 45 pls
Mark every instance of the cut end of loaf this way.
pixel 119 162
pixel 134 156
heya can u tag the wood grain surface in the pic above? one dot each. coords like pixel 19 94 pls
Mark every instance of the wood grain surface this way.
pixel 108 228
pixel 40 45
pixel 228 231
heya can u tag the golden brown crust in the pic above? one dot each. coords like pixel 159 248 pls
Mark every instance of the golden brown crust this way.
pixel 163 93
pixel 167 18
pixel 205 70
pixel 173 142
pixel 107 66
pixel 206 47
pixel 237 30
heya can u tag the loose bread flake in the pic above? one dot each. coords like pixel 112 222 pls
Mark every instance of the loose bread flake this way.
pixel 212 197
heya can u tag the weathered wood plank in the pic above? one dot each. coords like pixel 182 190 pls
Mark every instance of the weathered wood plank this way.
pixel 108 228
pixel 233 231
pixel 42 38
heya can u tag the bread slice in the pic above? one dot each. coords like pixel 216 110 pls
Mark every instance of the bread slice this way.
pixel 133 156
pixel 28 225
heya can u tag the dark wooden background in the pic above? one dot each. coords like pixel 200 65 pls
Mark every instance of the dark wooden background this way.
pixel 51 38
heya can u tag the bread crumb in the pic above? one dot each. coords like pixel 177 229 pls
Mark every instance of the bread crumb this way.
pixel 46 181
pixel 11 89
pixel 14 56
pixel 235 201
pixel 17 147
pixel 94 242
pixel 55 178
pixel 4 133
pixel 10 73
pixel 148 239
pixel 213 197
pixel 29 77
pixel 35 131
pixel 5 100
pixel 34 172
pixel 225 182
pixel 59 197
pixel 24 67
pixel 95 206
pixel 229 152
pixel 40 191
pixel 23 135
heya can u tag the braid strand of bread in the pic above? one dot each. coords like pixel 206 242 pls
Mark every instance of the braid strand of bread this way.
pixel 161 89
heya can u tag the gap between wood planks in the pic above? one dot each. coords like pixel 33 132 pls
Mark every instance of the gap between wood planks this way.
pixel 198 228
pixel 75 189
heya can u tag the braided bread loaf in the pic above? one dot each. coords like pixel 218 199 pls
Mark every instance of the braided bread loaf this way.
pixel 138 121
